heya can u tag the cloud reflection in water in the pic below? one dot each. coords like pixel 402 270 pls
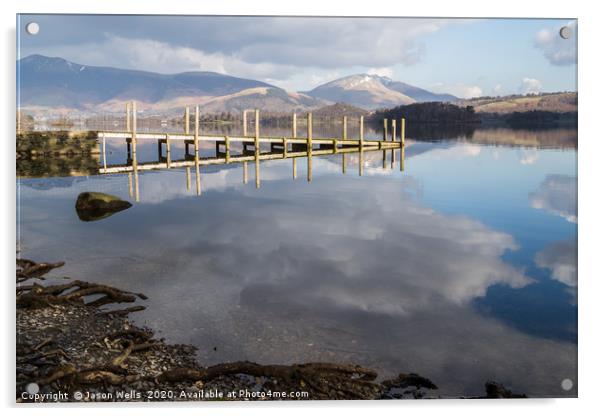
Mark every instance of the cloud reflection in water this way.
pixel 345 269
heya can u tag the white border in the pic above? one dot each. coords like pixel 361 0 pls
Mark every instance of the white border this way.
pixel 590 147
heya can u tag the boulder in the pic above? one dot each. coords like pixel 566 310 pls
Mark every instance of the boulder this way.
pixel 94 206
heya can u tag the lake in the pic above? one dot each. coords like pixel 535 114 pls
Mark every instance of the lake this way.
pixel 461 267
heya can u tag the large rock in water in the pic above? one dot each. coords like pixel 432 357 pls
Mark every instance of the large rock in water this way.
pixel 94 206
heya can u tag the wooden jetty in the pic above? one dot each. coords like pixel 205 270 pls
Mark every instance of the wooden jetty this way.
pixel 288 147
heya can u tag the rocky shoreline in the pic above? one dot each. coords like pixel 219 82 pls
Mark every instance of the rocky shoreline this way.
pixel 70 348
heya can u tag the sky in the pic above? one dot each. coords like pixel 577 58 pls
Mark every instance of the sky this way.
pixel 464 57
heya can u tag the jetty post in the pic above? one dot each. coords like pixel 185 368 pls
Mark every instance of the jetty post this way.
pixel 245 173
pixel 361 161
pixel 127 116
pixel 168 150
pixel 385 126
pixel 362 131
pixel 245 164
pixel 256 143
pixel 293 135
pixel 196 151
pixel 130 189
pixel 104 151
pixel 134 127
pixel 361 164
pixel 402 143
pixel 294 168
pixel 134 153
pixel 128 149
pixel 393 138
pixel 403 132
pixel 227 142
pixel 402 154
pixel 344 137
pixel 187 121
pixel 244 122
pixel 309 145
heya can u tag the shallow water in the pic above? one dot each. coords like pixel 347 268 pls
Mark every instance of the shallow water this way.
pixel 461 268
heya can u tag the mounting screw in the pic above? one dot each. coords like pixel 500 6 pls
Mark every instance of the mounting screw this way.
pixel 565 32
pixel 32 28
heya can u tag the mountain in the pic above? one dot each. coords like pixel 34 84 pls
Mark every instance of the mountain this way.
pixel 56 84
pixel 373 91
pixel 47 82
pixel 418 94
pixel 270 99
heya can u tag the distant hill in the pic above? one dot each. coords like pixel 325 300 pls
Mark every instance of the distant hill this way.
pixel 373 91
pixel 553 109
pixel 339 110
pixel 560 102
pixel 428 113
pixel 47 82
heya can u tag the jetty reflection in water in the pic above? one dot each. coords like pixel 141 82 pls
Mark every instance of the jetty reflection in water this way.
pixel 462 267
pixel 392 158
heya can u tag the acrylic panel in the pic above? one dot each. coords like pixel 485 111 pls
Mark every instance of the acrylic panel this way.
pixel 295 208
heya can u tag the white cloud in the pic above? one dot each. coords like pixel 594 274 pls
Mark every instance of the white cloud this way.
pixel 459 90
pixel 530 86
pixel 557 194
pixel 152 55
pixel 458 151
pixel 529 157
pixel 383 72
pixel 558 51
pixel 287 51
pixel 316 79
pixel 561 259
pixel 461 258
pixel 337 42
pixel 497 90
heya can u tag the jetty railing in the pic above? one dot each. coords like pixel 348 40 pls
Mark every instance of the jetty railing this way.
pixel 287 147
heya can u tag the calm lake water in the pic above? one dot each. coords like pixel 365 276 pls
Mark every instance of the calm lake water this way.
pixel 461 268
